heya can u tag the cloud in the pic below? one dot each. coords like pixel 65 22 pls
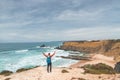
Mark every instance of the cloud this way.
pixel 79 15
pixel 48 20
pixel 85 33
pixel 93 33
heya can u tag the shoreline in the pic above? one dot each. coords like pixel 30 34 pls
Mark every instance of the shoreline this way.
pixel 96 58
pixel 74 71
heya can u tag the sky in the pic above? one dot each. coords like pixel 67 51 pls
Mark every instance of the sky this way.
pixel 56 20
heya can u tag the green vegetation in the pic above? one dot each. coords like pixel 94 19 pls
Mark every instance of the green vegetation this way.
pixel 98 69
pixel 25 69
pixel 77 78
pixel 64 71
pixel 81 79
pixel 6 73
pixel 21 70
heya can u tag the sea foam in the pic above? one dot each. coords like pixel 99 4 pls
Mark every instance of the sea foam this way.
pixel 19 51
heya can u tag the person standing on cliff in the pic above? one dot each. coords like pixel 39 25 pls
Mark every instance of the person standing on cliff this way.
pixel 48 60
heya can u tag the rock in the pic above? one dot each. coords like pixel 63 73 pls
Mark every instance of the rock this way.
pixel 76 57
pixel 117 67
pixel 43 45
pixel 6 73
pixel 57 47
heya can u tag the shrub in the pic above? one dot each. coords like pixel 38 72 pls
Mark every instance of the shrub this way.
pixel 65 71
pixel 6 73
pixel 81 79
pixel 21 70
pixel 25 69
pixel 99 68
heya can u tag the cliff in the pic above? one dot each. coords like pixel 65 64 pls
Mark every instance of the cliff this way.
pixel 106 47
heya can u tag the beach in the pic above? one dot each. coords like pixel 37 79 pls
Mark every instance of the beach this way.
pixel 73 72
pixel 78 39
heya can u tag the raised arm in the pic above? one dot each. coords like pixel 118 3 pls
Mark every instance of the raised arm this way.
pixel 44 54
pixel 53 54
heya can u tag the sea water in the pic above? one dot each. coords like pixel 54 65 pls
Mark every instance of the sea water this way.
pixel 14 56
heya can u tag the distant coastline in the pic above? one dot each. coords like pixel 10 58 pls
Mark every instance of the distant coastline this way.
pixel 105 47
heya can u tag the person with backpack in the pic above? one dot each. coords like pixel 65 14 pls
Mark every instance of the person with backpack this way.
pixel 48 60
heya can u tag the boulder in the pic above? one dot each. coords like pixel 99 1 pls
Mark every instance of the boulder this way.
pixel 43 45
pixel 117 67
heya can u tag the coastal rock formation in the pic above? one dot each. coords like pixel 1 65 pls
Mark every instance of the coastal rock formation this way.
pixel 6 73
pixel 117 67
pixel 75 57
pixel 43 45
pixel 106 47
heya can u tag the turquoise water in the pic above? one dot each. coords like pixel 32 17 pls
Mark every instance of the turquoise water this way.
pixel 14 56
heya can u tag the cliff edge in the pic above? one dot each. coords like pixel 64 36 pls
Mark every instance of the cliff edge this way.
pixel 106 47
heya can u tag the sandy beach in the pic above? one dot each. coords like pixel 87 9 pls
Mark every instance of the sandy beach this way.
pixel 77 39
pixel 74 72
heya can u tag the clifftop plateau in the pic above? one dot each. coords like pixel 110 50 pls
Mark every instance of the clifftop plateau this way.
pixel 106 47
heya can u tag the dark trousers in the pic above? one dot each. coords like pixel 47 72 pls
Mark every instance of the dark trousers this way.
pixel 49 67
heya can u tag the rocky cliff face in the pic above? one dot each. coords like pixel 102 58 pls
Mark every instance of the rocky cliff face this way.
pixel 106 47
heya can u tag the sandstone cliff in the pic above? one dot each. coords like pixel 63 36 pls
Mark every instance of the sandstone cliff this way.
pixel 106 47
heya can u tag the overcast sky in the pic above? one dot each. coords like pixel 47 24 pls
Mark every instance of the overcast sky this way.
pixel 55 20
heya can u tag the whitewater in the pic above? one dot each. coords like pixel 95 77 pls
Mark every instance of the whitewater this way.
pixel 14 56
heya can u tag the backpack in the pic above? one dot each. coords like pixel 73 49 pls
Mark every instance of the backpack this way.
pixel 48 59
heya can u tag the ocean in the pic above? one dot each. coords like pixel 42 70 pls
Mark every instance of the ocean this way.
pixel 14 56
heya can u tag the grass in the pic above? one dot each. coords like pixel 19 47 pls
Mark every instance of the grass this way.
pixel 21 70
pixel 25 69
pixel 98 69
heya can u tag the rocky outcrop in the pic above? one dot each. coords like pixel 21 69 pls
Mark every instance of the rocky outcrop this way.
pixel 117 67
pixel 6 73
pixel 106 47
pixel 43 45
pixel 75 57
